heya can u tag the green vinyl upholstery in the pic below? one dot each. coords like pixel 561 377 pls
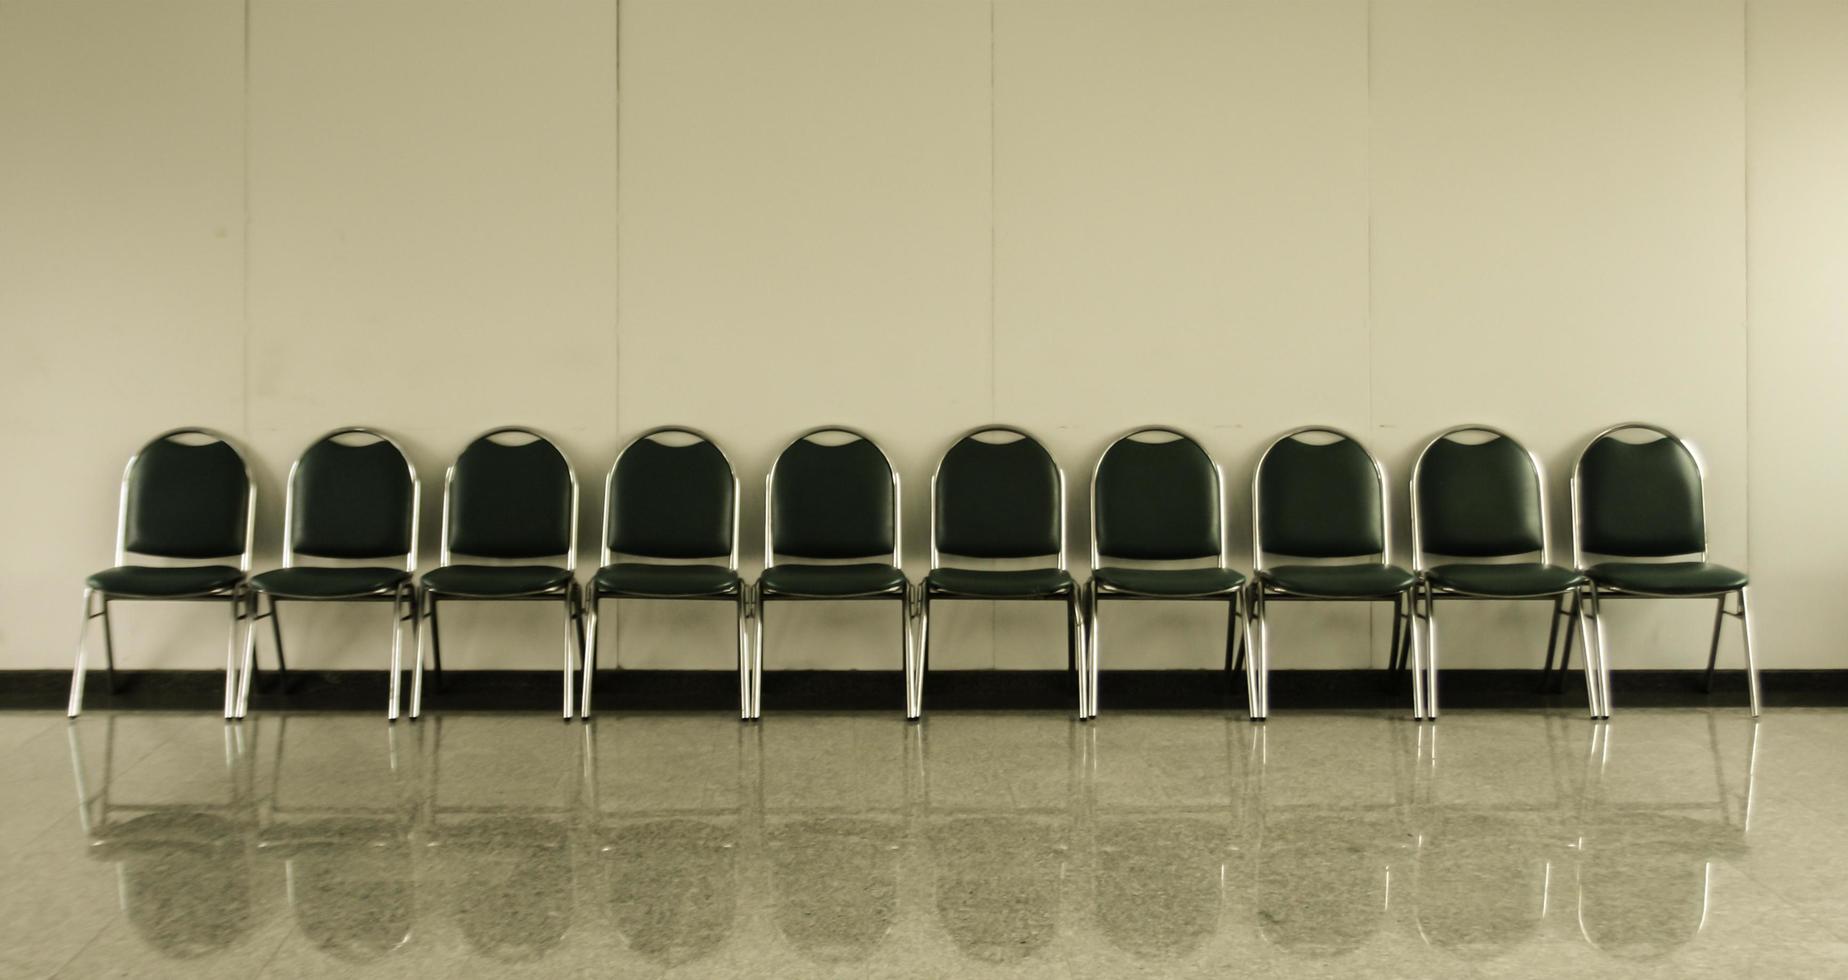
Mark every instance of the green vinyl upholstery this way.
pixel 186 500
pixel 997 499
pixel 1668 578
pixel 510 501
pixel 164 582
pixel 496 581
pixel 1156 501
pixel 1168 583
pixel 649 581
pixel 316 582
pixel 982 583
pixel 1509 581
pixel 1338 581
pixel 854 581
pixel 1640 500
pixel 1319 500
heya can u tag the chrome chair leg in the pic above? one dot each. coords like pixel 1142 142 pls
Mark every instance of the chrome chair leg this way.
pixel 1260 653
pixel 282 661
pixel 436 642
pixel 1094 652
pixel 1552 639
pixel 1421 611
pixel 1245 658
pixel 1392 653
pixel 1430 653
pixel 570 604
pixel 913 654
pixel 1077 644
pixel 593 618
pixel 1713 650
pixel 915 665
pixel 758 607
pixel 75 706
pixel 231 672
pixel 250 653
pixel 744 654
pixel 108 643
pixel 427 604
pixel 395 688
pixel 1751 659
pixel 1597 653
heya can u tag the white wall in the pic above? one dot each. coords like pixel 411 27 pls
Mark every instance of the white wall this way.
pixel 915 216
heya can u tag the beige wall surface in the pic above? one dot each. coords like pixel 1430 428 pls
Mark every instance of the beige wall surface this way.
pixel 276 217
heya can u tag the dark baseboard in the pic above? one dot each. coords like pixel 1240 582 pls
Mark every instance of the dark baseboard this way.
pixel 883 690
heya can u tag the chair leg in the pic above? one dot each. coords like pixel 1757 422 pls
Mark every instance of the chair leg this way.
pixel 108 644
pixel 1552 640
pixel 75 706
pixel 915 667
pixel 395 687
pixel 1260 654
pixel 436 643
pixel 1596 654
pixel 570 674
pixel 253 607
pixel 1076 645
pixel 1399 605
pixel 1093 653
pixel 282 662
pixel 1556 684
pixel 231 672
pixel 758 607
pixel 1713 651
pixel 1243 659
pixel 744 652
pixel 1421 610
pixel 1751 659
pixel 420 601
pixel 1430 654
pixel 593 604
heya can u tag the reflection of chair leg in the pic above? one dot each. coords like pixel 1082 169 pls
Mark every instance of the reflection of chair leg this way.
pixel 1751 660
pixel 76 701
pixel 1713 651
pixel 592 607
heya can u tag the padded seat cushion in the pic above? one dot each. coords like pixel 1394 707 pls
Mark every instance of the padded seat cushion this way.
pixel 1510 580
pixel 1176 583
pixel 999 583
pixel 157 582
pixel 329 583
pixel 665 581
pixel 495 581
pixel 832 581
pixel 1668 578
pixel 1338 581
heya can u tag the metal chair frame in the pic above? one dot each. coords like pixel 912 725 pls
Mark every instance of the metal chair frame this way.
pixel 1595 594
pixel 1238 615
pixel 1077 656
pixel 403 597
pixel 96 601
pixel 594 596
pixel 571 593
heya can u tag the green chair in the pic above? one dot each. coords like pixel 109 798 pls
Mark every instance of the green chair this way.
pixel 352 499
pixel 827 503
pixel 1485 500
pixel 1325 501
pixel 1642 503
pixel 187 498
pixel 1157 512
pixel 510 500
pixel 998 496
pixel 670 531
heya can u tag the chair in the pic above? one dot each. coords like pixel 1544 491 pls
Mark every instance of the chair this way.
pixel 1485 500
pixel 187 497
pixel 996 501
pixel 1326 501
pixel 674 505
pixel 514 504
pixel 1157 510
pixel 1647 500
pixel 826 503
pixel 352 497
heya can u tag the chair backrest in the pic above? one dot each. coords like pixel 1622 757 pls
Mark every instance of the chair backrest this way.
pixel 350 499
pixel 1318 499
pixel 184 498
pixel 1157 501
pixel 511 500
pixel 671 499
pixel 1638 499
pixel 831 500
pixel 997 499
pixel 1482 499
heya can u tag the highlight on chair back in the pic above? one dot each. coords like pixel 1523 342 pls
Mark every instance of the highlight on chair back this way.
pixel 510 501
pixel 1157 511
pixel 826 504
pixel 997 495
pixel 352 499
pixel 1647 500
pixel 1326 501
pixel 1478 494
pixel 187 498
pixel 670 531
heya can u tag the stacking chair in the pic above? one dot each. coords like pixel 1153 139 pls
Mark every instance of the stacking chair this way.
pixel 1647 501
pixel 1157 511
pixel 187 497
pixel 1326 501
pixel 674 506
pixel 1000 501
pixel 826 504
pixel 513 504
pixel 352 498
pixel 1485 500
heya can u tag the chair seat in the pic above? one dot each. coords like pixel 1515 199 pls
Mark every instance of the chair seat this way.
pixel 1338 581
pixel 496 581
pixel 832 581
pixel 1173 583
pixel 158 582
pixel 666 581
pixel 329 583
pixel 999 583
pixel 1670 578
pixel 1510 581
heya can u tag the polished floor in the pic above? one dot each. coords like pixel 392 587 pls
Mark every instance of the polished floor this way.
pixel 1493 844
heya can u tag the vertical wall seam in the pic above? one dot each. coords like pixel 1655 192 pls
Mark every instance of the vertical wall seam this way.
pixel 1371 429
pixel 994 361
pixel 1745 205
pixel 244 243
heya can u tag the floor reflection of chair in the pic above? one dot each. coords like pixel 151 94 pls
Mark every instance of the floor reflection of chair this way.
pixel 505 870
pixel 668 862
pixel 183 869
pixel 1483 875
pixel 1160 864
pixel 998 866
pixel 1645 870
pixel 1325 868
pixel 348 864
